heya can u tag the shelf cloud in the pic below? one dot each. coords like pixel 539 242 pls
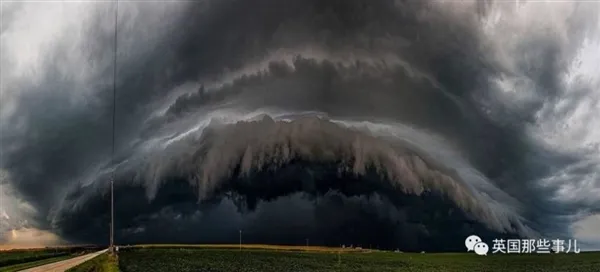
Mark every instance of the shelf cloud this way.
pixel 395 124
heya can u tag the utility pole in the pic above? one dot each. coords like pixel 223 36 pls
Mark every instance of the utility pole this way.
pixel 112 178
pixel 240 240
pixel 112 216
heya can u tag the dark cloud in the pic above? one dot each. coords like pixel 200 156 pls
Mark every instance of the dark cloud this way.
pixel 263 161
pixel 343 212
pixel 184 176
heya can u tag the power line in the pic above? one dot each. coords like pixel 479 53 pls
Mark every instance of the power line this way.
pixel 114 114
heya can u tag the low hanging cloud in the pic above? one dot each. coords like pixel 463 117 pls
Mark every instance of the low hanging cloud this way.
pixel 372 121
pixel 29 238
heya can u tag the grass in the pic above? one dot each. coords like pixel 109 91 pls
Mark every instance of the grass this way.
pixel 210 259
pixel 101 263
pixel 21 266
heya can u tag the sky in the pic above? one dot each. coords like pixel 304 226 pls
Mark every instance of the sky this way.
pixel 408 124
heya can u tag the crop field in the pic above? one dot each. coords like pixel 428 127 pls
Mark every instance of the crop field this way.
pixel 248 246
pixel 166 259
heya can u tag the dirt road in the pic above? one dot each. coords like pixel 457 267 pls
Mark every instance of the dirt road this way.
pixel 64 265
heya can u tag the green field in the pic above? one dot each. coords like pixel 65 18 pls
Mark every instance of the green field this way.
pixel 250 260
pixel 15 260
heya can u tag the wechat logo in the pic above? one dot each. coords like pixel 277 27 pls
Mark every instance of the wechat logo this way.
pixel 474 243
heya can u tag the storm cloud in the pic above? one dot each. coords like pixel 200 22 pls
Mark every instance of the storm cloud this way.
pixel 388 123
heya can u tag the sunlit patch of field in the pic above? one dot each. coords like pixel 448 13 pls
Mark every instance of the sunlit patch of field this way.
pixel 253 246
pixel 102 263
pixel 9 248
